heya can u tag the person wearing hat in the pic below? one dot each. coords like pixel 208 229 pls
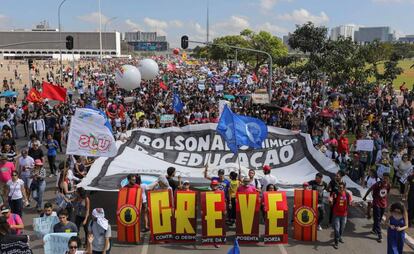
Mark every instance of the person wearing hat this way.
pixel 6 170
pixel 14 220
pixel 267 178
pixel 223 183
pixel 186 185
pixel 38 184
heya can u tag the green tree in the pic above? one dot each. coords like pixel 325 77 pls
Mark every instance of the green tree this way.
pixel 391 68
pixel 374 54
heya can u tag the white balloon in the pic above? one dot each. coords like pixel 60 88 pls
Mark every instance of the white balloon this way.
pixel 128 77
pixel 148 68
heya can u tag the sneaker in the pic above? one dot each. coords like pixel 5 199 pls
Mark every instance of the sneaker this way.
pixel 379 240
pixel 341 241
pixel 335 246
pixel 373 232
pixel 319 228
pixel 217 245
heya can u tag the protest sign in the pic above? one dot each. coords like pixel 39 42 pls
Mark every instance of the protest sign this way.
pixel 201 86
pixel 365 145
pixel 56 243
pixel 167 118
pixel 160 205
pixel 247 217
pixel 276 217
pixel 128 214
pixel 185 216
pixel 17 247
pixel 260 98
pixel 44 225
pixel 213 206
pixel 305 215
pixel 219 87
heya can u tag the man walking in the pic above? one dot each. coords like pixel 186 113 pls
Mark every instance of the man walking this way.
pixel 340 201
pixel 380 192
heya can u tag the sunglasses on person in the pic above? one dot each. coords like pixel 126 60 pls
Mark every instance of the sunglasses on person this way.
pixel 73 247
pixel 14 175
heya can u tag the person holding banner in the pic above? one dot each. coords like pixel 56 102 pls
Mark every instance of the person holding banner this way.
pixel 319 185
pixel 267 178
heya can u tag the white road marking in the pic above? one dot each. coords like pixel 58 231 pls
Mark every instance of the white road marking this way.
pixel 282 249
pixel 144 249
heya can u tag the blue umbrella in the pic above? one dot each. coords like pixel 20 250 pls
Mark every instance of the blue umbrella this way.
pixel 8 93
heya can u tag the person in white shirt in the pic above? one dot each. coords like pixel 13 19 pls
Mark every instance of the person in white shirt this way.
pixel 26 164
pixel 16 193
pixel 267 178
pixel 39 127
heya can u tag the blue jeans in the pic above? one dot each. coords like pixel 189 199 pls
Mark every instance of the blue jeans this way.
pixel 377 212
pixel 339 223
pixel 37 194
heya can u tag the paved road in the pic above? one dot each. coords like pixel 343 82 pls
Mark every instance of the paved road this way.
pixel 357 237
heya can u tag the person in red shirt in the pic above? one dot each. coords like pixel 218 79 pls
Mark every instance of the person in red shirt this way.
pixel 343 144
pixel 380 192
pixel 6 170
pixel 340 202
pixel 246 186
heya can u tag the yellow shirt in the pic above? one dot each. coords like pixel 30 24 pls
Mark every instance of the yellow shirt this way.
pixel 234 185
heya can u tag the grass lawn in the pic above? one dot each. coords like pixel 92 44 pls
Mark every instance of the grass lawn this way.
pixel 407 76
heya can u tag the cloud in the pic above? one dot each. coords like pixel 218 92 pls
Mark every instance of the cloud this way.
pixel 4 21
pixel 273 29
pixel 234 25
pixel 132 26
pixel 175 23
pixel 301 16
pixel 93 18
pixel 267 5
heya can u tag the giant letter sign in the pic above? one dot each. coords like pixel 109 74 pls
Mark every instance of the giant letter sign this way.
pixel 247 217
pixel 161 215
pixel 128 214
pixel 305 215
pixel 185 216
pixel 276 217
pixel 213 206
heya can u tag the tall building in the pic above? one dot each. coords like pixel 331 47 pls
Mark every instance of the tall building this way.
pixel 406 39
pixel 368 34
pixel 146 41
pixel 346 31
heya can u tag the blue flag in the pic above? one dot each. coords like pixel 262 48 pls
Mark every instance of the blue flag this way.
pixel 239 130
pixel 178 105
pixel 235 249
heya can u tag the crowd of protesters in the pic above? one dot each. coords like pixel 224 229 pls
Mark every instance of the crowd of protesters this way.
pixel 333 116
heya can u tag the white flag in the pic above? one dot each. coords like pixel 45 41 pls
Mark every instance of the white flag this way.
pixel 89 134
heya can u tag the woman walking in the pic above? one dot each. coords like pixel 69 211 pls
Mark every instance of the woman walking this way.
pixel 81 205
pixel 16 194
pixel 397 224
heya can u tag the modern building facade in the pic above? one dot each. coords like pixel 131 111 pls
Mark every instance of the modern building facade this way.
pixel 46 44
pixel 366 35
pixel 407 39
pixel 346 31
pixel 146 41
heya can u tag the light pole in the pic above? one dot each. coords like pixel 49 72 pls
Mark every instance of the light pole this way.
pixel 100 30
pixel 60 38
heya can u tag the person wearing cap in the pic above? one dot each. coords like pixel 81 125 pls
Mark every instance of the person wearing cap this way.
pixel 267 178
pixel 6 170
pixel 14 220
pixel 246 186
pixel 214 185
pixel 38 184
pixel 223 183
pixel 26 165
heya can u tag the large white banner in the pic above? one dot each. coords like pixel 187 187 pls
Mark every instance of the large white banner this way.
pixel 89 135
pixel 291 156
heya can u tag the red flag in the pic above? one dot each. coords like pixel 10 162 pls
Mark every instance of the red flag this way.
pixel 34 96
pixel 53 92
pixel 163 86
pixel 255 79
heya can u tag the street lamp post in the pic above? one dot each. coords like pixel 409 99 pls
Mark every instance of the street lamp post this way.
pixel 60 39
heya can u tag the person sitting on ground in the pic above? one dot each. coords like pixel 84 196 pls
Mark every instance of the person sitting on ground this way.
pixel 64 226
